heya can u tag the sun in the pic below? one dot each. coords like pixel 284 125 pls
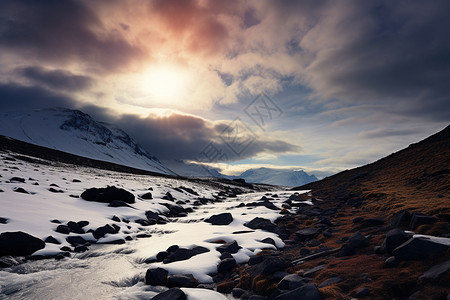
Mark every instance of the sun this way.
pixel 166 83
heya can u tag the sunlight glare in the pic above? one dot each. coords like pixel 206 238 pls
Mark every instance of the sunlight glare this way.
pixel 165 83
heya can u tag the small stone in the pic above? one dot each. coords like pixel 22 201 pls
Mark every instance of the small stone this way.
pixel 171 294
pixel 226 265
pixel 156 276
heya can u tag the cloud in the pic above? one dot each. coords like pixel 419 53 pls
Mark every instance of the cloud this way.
pixel 384 133
pixel 62 32
pixel 57 79
pixel 19 97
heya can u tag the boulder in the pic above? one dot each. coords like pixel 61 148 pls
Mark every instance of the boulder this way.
pixel 52 240
pixel 17 179
pixel 19 244
pixel 292 282
pixel 182 280
pixel 75 240
pixel 103 230
pixel 418 248
pixel 220 219
pixel 171 294
pixel 146 196
pixel 261 223
pixel 394 238
pixel 118 203
pixel 269 266
pixel 168 196
pixel 399 218
pixel 107 195
pixel 356 241
pixel 184 254
pixel 230 247
pixel 156 276
pixel 418 219
pixel 21 190
pixel 75 227
pixel 306 292
pixel 226 265
pixel 307 233
pixel 64 229
pixel 436 271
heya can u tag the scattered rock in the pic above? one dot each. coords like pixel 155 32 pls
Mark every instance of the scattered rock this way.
pixel 168 196
pixel 75 227
pixel 64 229
pixel 394 238
pixel 115 218
pixel 52 240
pixel 53 190
pixel 269 241
pixel 162 255
pixel 118 203
pixel 182 280
pixel 103 230
pixel 261 223
pixel 372 222
pixel 269 266
pixel 306 292
pixel 357 219
pixel 184 254
pixel 418 248
pixel 331 281
pixel 80 249
pixel 76 180
pixel 230 247
pixel 307 233
pixel 436 271
pixel 21 190
pixel 399 218
pixel 226 265
pixel 313 271
pixel 147 196
pixel 17 179
pixel 171 294
pixel 156 276
pixel 76 240
pixel 418 219
pixel 3 220
pixel 292 282
pixel 107 195
pixel 220 219
pixel 355 242
pixel 19 244
pixel 237 292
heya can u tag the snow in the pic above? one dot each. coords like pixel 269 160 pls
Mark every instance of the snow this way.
pixel 33 212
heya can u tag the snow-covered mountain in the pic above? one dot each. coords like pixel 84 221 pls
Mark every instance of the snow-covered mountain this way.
pixel 277 176
pixel 75 132
pixel 191 169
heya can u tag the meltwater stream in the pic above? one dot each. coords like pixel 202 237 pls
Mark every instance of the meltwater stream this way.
pixel 117 271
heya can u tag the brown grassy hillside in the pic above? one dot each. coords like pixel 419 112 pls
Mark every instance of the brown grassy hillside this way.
pixel 415 178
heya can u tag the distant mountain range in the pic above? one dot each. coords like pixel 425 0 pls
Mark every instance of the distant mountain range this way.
pixel 75 132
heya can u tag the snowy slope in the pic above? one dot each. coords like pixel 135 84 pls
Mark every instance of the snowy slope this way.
pixel 191 169
pixel 75 132
pixel 277 176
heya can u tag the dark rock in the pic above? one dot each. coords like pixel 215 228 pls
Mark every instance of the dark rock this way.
pixel 182 280
pixel 237 292
pixel 418 219
pixel 330 281
pixel 307 233
pixel 115 218
pixel 357 219
pixel 21 190
pixel 189 190
pixel 313 271
pixel 118 203
pixel 3 220
pixel 17 179
pixel 147 196
pixel 399 218
pixel 220 219
pixel 107 195
pixel 156 276
pixel 313 243
pixel 118 241
pixel 173 248
pixel 261 223
pixel 64 229
pixel 80 249
pixel 53 190
pixel 76 180
pixel 394 238
pixel 372 222
pixel 184 254
pixel 162 255
pixel 362 292
pixel 168 196
pixel 19 244
pixel 103 230
pixel 52 240
pixel 75 227
pixel 225 255
pixel 143 235
pixel 83 223
pixel 254 260
pixel 62 255
pixel 326 222
pixel 143 222
pixel 152 217
pixel 355 242
pixel 391 261
pixel 226 265
pixel 269 266
pixel 436 271
pixel 306 292
pixel 65 248
pixel 55 221
pixel 418 248
pixel 171 294
pixel 292 282
pixel 175 210
pixel 268 241
pixel 75 240
pixel 230 247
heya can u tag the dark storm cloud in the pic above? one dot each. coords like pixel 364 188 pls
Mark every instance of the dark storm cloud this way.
pixel 180 136
pixel 18 97
pixel 61 31
pixel 383 51
pixel 57 79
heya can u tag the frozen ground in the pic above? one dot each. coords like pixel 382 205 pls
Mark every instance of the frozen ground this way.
pixel 117 271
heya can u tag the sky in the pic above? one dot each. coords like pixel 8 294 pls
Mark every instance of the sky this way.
pixel 316 85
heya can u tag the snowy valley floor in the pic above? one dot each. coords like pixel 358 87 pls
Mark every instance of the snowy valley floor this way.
pixel 50 192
